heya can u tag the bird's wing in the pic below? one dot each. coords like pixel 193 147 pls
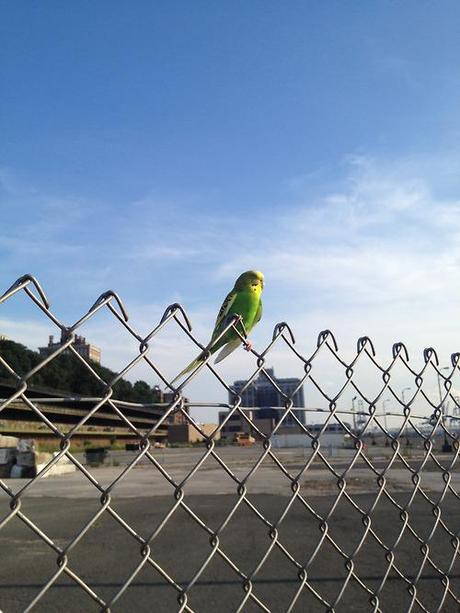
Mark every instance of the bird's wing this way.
pixel 258 316
pixel 219 325
pixel 227 350
pixel 222 314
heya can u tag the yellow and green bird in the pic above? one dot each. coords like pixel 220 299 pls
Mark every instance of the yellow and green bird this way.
pixel 244 300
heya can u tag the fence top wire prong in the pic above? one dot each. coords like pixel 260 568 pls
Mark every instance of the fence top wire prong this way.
pixel 103 299
pixel 171 309
pixel 323 336
pixel 106 297
pixel 362 342
pixel 428 353
pixel 279 329
pixel 21 283
pixel 397 348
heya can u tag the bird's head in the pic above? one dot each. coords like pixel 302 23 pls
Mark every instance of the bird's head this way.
pixel 250 280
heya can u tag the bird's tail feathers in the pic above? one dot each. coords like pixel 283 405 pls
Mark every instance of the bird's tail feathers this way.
pixel 199 360
pixel 227 350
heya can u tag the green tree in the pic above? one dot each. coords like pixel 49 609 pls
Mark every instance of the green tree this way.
pixel 67 373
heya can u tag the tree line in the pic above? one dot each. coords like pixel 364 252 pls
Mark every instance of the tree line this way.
pixel 66 373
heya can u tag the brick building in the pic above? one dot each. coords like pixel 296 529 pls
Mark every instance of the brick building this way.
pixel 81 346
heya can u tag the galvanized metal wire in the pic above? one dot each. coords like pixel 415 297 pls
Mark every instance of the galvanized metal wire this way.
pixel 369 417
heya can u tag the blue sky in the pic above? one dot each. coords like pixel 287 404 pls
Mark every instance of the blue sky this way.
pixel 159 149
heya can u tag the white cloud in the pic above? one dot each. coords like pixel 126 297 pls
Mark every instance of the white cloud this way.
pixel 380 257
pixel 377 254
pixel 385 236
pixel 29 332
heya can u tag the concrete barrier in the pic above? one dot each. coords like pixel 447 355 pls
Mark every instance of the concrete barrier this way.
pixel 19 459
pixel 63 467
pixel 7 460
pixel 8 442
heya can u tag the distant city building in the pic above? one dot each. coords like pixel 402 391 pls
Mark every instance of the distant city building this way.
pixel 245 420
pixel 187 433
pixel 3 337
pixel 86 350
pixel 177 416
pixel 262 393
pixel 262 404
pixel 264 396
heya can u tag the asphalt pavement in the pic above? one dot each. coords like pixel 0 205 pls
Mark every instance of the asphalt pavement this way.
pixel 107 555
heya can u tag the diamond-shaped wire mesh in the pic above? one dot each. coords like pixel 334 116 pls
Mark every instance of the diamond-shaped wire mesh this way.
pixel 396 546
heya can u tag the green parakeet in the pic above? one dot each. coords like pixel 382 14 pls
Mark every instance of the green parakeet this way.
pixel 244 300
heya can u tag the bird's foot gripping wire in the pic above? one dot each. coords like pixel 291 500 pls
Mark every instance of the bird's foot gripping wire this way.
pixel 248 346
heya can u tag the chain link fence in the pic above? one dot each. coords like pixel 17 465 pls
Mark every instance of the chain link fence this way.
pixel 417 435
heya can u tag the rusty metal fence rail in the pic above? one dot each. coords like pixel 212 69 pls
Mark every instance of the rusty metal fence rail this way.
pixel 423 427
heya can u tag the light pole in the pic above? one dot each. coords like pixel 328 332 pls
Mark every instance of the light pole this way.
pixel 360 419
pixel 353 411
pixel 385 413
pixel 456 410
pixel 446 446
pixel 439 386
pixel 405 389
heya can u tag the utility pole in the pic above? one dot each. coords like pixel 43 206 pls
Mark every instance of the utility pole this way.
pixel 353 411
pixel 385 425
pixel 405 389
pixel 446 446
